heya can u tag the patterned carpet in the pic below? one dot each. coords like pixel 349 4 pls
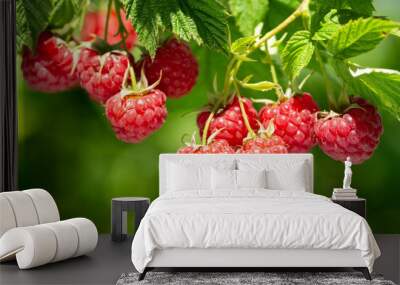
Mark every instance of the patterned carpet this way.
pixel 268 278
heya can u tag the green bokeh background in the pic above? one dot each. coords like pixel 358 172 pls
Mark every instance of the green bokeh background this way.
pixel 67 146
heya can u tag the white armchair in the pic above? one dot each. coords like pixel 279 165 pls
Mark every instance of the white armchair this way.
pixel 31 230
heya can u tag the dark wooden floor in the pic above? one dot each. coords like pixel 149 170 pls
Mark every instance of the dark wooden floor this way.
pixel 110 260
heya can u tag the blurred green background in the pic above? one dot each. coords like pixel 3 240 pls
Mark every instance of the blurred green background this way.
pixel 67 146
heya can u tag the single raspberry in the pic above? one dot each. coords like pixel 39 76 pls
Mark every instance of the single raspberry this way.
pixel 50 67
pixel 94 25
pixel 273 144
pixel 102 75
pixel 230 121
pixel 354 134
pixel 294 121
pixel 217 146
pixel 188 149
pixel 176 65
pixel 134 118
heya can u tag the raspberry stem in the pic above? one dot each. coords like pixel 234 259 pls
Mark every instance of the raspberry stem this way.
pixel 234 63
pixel 109 5
pixel 121 28
pixel 228 79
pixel 206 127
pixel 244 114
pixel 278 89
pixel 303 7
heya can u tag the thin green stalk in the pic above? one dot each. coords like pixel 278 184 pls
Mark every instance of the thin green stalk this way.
pixel 298 12
pixel 206 127
pixel 278 90
pixel 244 114
pixel 109 5
pixel 228 78
pixel 234 63
pixel 121 28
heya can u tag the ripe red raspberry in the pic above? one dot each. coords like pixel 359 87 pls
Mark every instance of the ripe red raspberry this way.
pixel 94 25
pixel 354 134
pixel 216 146
pixel 134 118
pixel 178 66
pixel 274 144
pixel 50 67
pixel 294 121
pixel 188 149
pixel 102 75
pixel 230 122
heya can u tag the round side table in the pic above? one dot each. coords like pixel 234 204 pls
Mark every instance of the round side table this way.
pixel 119 211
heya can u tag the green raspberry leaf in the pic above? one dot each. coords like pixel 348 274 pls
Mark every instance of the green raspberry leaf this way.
pixel 35 16
pixel 241 46
pixel 65 12
pixel 259 86
pixel 203 21
pixel 248 14
pixel 329 27
pixel 32 18
pixel 359 36
pixel 382 85
pixel 24 36
pixel 297 53
pixel 346 10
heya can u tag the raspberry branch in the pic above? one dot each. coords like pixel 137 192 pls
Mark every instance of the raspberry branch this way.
pixel 121 28
pixel 235 63
pixel 109 5
pixel 250 130
pixel 206 127
pixel 303 7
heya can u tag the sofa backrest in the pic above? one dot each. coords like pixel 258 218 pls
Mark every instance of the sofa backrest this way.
pixel 293 168
pixel 26 208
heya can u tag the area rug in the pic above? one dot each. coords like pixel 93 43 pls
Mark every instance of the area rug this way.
pixel 268 278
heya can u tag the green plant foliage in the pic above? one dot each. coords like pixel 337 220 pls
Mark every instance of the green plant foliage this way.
pixel 23 32
pixel 382 85
pixel 329 27
pixel 34 16
pixel 297 53
pixel 203 21
pixel 346 10
pixel 259 86
pixel 359 36
pixel 241 46
pixel 76 154
pixel 248 14
pixel 65 11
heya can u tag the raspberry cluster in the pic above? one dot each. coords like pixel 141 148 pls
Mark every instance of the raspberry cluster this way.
pixel 101 68
pixel 101 63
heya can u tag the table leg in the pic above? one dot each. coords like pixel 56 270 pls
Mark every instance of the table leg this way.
pixel 116 222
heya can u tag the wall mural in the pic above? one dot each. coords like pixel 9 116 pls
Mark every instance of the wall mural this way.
pixel 106 86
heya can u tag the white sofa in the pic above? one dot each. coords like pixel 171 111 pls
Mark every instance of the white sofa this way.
pixel 31 231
